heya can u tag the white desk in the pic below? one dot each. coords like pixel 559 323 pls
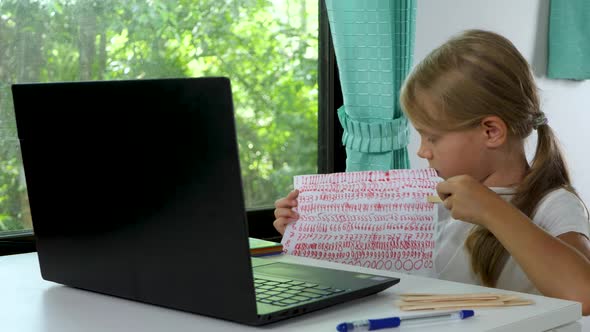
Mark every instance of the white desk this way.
pixel 31 304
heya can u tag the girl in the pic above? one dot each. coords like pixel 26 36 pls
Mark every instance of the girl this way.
pixel 473 101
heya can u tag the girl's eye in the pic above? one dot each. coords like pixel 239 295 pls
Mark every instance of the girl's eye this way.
pixel 431 139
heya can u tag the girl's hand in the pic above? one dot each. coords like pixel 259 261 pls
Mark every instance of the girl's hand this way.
pixel 284 213
pixel 468 200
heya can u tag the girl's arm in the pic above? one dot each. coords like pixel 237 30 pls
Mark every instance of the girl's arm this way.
pixel 558 267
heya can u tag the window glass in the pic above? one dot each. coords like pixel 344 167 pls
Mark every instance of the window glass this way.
pixel 269 50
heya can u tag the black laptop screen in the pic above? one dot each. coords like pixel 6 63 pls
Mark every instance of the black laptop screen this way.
pixel 135 187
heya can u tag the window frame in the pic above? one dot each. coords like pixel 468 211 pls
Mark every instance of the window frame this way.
pixel 331 152
pixel 17 242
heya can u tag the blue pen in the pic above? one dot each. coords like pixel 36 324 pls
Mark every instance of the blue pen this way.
pixel 383 323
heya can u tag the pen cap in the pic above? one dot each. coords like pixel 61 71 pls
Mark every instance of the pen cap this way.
pixel 384 323
pixel 345 327
pixel 466 314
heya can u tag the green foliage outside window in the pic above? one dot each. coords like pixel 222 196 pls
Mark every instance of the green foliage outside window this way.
pixel 267 48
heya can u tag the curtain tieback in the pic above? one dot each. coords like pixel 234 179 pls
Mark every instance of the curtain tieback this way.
pixel 375 136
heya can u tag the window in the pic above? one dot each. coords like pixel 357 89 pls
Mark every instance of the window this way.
pixel 269 49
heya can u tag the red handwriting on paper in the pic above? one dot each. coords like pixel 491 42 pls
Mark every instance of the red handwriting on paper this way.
pixel 375 219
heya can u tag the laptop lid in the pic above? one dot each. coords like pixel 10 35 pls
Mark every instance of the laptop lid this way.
pixel 135 187
pixel 135 191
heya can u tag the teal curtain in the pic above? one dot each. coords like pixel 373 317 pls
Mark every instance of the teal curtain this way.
pixel 374 43
pixel 569 39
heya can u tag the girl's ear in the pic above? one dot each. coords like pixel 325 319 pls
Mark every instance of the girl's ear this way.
pixel 494 130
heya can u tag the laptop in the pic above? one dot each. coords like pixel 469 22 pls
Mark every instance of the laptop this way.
pixel 135 191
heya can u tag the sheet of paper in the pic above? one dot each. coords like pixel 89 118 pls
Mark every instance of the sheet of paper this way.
pixel 375 219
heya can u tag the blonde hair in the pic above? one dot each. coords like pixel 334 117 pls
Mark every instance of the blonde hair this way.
pixel 478 74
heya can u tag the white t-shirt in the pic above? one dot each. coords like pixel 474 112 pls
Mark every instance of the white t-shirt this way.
pixel 559 212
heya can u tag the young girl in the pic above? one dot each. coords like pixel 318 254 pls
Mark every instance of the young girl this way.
pixel 473 101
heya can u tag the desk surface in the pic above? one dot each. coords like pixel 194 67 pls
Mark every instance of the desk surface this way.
pixel 31 304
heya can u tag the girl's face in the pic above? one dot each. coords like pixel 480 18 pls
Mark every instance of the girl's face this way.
pixel 452 153
pixel 455 153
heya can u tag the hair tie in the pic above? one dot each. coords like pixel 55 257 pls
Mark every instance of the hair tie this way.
pixel 539 120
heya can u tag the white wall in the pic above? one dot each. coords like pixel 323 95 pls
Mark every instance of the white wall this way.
pixel 525 23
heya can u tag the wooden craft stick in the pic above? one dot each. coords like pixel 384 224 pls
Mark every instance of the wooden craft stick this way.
pixel 433 199
pixel 518 302
pixel 451 297
pixel 506 300
pixel 447 305
pixel 453 294
pixel 474 297
pixel 461 302
pixel 466 304
pixel 418 301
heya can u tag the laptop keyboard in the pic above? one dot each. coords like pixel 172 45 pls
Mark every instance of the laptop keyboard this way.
pixel 289 292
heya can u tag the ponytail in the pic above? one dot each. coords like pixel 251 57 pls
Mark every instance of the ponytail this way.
pixel 548 172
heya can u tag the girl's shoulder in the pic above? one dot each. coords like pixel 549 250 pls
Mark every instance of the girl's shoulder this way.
pixel 561 197
pixel 562 211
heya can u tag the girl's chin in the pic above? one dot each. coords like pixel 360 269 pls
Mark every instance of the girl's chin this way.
pixel 443 176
